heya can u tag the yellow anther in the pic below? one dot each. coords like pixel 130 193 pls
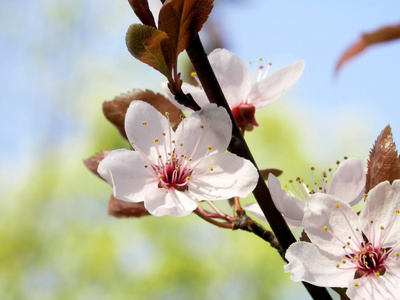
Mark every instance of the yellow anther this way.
pixel 325 228
pixel 211 169
pixel 270 63
pixel 330 169
pixel 336 205
pixel 187 178
pixel 209 147
pixel 173 141
pixel 290 181
pixel 193 74
pixel 356 257
pixel 160 176
pixel 396 254
pixel 156 140
pixel 338 162
pixel 357 229
pixel 167 113
pixel 338 266
pixel 371 222
pixel 132 143
pixel 343 261
pixel 201 126
pixel 144 123
pixel 181 144
pixel 163 133
pixel 159 156
pixel 356 284
pixel 396 211
pixel 260 59
pixel 174 159
pixel 382 227
pixel 145 166
pixel 365 195
pixel 371 255
pixel 377 274
pixel 348 243
pixel 345 157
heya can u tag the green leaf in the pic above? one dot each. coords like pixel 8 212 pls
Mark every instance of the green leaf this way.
pixel 115 110
pixel 142 11
pixel 182 20
pixel 383 161
pixel 152 47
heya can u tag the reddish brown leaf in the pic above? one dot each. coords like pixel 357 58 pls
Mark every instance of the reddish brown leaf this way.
pixel 122 209
pixel 382 35
pixel 183 19
pixel 115 110
pixel 383 161
pixel 266 172
pixel 142 11
pixel 152 47
pixel 93 162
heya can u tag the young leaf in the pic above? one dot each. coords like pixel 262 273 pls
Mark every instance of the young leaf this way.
pixel 182 20
pixel 383 161
pixel 93 162
pixel 142 11
pixel 152 47
pixel 266 172
pixel 382 35
pixel 115 110
pixel 122 209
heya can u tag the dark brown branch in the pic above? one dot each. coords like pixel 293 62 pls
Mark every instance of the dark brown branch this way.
pixel 209 82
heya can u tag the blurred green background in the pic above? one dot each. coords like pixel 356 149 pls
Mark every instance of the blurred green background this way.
pixel 60 60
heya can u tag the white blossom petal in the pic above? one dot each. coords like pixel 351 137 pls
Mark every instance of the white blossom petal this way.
pixel 255 209
pixel 266 91
pixel 230 176
pixel 380 207
pixel 289 206
pixel 143 136
pixel 372 287
pixel 348 182
pixel 124 171
pixel 308 263
pixel 325 211
pixel 211 126
pixel 232 74
pixel 162 202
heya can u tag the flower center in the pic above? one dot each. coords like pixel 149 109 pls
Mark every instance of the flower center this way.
pixel 244 115
pixel 172 167
pixel 365 252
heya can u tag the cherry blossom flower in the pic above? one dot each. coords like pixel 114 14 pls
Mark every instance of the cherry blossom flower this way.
pixel 347 184
pixel 171 171
pixel 358 252
pixel 245 93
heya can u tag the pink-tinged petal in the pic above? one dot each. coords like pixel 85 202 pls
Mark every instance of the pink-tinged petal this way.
pixel 329 222
pixel 289 206
pixel 380 207
pixel 232 74
pixel 163 201
pixel 308 263
pixel 255 210
pixel 197 93
pixel 222 176
pixel 124 170
pixel 269 89
pixel 210 126
pixel 144 136
pixel 348 182
pixel 372 287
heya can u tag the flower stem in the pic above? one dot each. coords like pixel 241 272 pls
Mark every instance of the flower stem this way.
pixel 209 82
pixel 209 218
